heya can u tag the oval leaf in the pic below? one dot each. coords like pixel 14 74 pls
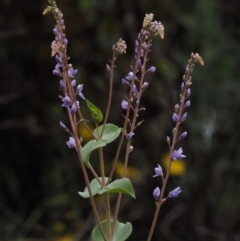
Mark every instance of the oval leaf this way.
pixel 110 133
pixel 119 186
pixel 121 231
pixel 88 148
pixel 95 112
pixel 94 186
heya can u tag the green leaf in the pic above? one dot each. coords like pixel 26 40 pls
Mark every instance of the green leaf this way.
pixel 119 186
pixel 111 132
pixel 95 112
pixel 121 231
pixel 94 186
pixel 89 147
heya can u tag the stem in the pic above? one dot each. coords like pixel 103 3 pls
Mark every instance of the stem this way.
pixel 174 141
pixel 110 93
pixel 73 122
pixel 133 124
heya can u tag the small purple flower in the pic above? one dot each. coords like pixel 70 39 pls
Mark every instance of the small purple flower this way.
pixel 130 135
pixel 71 142
pixel 136 43
pixel 65 42
pixel 176 108
pixel 188 92
pixel 58 59
pixel 184 116
pixel 66 102
pixel 158 171
pixel 79 91
pixel 124 82
pixel 57 34
pixel 187 104
pixel 168 140
pixel 129 76
pixel 124 104
pixel 108 67
pixel 152 69
pixel 74 108
pixel 145 85
pixel 175 192
pixel 177 154
pixel 72 72
pixel 182 86
pixel 134 89
pixel 139 63
pixel 62 85
pixel 74 82
pixel 57 72
pixel 183 135
pixel 175 117
pixel 63 126
pixel 156 193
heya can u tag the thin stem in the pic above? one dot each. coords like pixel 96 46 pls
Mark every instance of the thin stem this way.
pixel 110 93
pixel 73 123
pixel 133 123
pixel 106 196
pixel 165 180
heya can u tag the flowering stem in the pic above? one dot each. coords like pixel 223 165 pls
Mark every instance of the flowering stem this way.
pixel 186 83
pixel 133 123
pixel 110 93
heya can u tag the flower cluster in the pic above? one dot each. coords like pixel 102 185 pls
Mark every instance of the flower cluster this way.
pixel 179 116
pixel 64 70
pixel 135 78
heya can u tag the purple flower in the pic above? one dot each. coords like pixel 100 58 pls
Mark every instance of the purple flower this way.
pixel 57 72
pixel 124 104
pixel 145 85
pixel 156 193
pixel 168 140
pixel 79 91
pixel 152 69
pixel 175 117
pixel 182 86
pixel 66 102
pixel 175 192
pixel 130 135
pixel 74 108
pixel 62 85
pixel 136 43
pixel 184 116
pixel 108 67
pixel 134 89
pixel 57 34
pixel 129 76
pixel 177 154
pixel 176 108
pixel 187 104
pixel 188 92
pixel 63 126
pixel 139 63
pixel 58 59
pixel 73 82
pixel 71 142
pixel 72 72
pixel 183 135
pixel 65 42
pixel 158 171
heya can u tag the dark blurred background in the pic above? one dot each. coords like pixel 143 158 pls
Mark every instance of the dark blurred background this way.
pixel 40 177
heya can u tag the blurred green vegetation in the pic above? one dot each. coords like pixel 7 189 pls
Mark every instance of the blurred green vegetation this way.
pixel 40 177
